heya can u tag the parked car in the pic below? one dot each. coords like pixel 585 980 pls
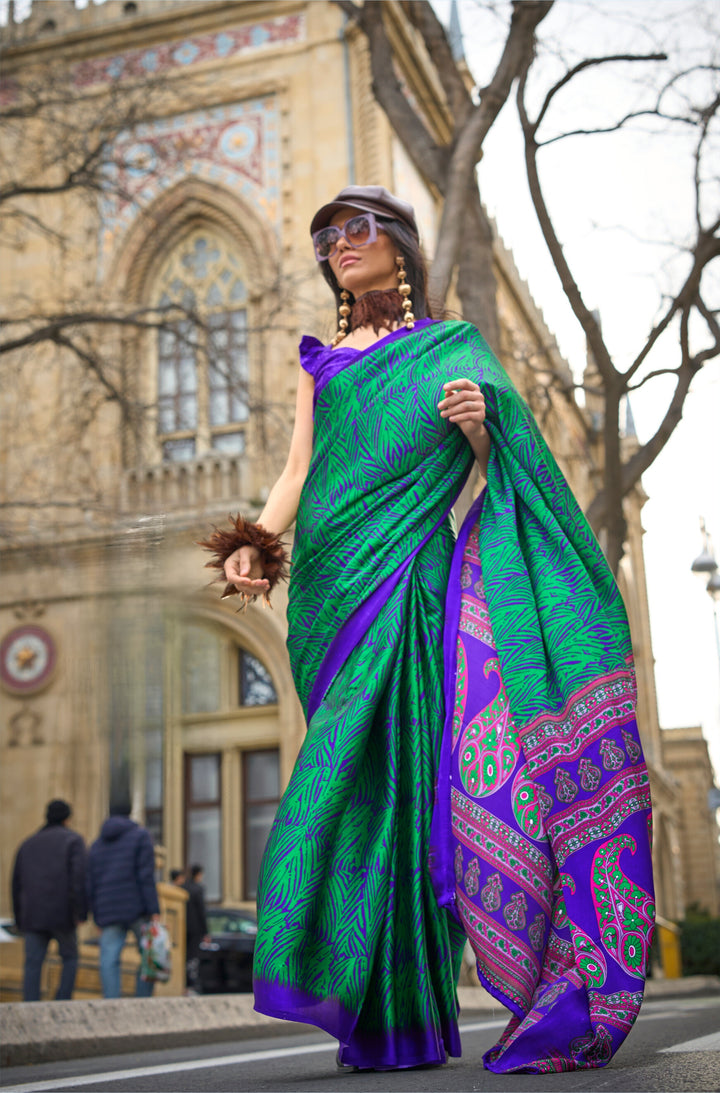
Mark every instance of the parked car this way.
pixel 226 960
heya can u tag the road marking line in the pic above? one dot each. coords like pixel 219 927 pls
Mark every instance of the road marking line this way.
pixel 198 1064
pixel 700 1043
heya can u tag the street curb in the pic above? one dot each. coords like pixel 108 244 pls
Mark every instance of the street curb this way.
pixel 43 1032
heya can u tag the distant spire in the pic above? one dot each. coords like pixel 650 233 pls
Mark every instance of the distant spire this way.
pixel 454 33
pixel 629 431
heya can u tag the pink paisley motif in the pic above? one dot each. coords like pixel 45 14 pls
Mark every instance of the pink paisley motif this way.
pixel 546 802
pixel 461 685
pixel 458 862
pixel 490 894
pixel 596 1049
pixel 613 757
pixel 515 911
pixel 559 916
pixel 589 958
pixel 590 775
pixel 565 789
pixel 527 805
pixel 490 744
pixel 624 911
pixel 465 575
pixel 536 933
pixel 472 882
pixel 551 994
pixel 631 746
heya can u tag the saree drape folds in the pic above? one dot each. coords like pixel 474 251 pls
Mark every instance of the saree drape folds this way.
pixel 485 685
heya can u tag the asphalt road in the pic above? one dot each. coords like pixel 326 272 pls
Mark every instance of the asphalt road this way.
pixel 675 1045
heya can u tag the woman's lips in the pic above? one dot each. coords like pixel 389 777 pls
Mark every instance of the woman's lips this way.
pixel 347 260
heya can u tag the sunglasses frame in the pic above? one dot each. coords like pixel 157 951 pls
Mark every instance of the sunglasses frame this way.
pixel 372 238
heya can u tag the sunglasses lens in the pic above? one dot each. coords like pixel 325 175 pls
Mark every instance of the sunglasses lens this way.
pixel 357 231
pixel 326 241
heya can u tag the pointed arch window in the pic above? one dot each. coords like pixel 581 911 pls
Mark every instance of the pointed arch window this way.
pixel 202 375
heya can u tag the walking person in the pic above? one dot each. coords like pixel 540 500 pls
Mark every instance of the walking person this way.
pixel 121 892
pixel 48 895
pixel 196 927
pixel 472 765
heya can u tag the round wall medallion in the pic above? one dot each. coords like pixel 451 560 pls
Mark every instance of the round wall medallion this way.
pixel 28 658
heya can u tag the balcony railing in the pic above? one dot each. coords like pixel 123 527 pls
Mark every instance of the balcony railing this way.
pixel 208 482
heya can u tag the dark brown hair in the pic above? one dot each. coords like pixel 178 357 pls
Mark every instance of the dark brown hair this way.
pixel 415 267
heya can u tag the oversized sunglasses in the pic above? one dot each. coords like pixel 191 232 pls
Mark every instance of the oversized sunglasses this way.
pixel 358 231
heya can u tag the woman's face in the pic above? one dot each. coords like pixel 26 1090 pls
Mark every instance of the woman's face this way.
pixel 364 269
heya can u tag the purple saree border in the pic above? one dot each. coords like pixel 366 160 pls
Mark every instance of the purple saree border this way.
pixel 292 1004
pixel 404 1048
pixel 441 865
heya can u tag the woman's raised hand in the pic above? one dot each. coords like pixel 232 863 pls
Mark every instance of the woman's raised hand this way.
pixel 244 569
pixel 464 405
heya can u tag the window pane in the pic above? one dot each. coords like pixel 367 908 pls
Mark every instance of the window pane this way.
pixel 200 670
pixel 230 443
pixel 178 451
pixel 204 778
pixel 203 847
pixel 187 372
pixel 256 685
pixel 227 351
pixel 238 409
pixel 153 783
pixel 258 821
pixel 166 415
pixel 219 406
pixel 187 412
pixel 167 379
pixel 262 775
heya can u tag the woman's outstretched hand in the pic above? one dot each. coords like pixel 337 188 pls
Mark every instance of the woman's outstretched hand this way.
pixel 464 406
pixel 244 569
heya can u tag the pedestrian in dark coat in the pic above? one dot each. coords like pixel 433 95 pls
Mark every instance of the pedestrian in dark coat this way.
pixel 48 894
pixel 121 891
pixel 196 927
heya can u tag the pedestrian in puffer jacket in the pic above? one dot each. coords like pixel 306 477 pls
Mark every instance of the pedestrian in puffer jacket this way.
pixel 48 893
pixel 121 891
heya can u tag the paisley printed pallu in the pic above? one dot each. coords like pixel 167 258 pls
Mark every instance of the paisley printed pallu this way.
pixel 490 677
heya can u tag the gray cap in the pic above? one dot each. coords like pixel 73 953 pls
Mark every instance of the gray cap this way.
pixel 368 199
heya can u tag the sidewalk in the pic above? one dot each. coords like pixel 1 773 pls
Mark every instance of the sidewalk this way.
pixel 40 1032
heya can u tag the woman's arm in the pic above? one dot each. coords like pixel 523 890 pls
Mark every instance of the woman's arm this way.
pixel 464 405
pixel 243 568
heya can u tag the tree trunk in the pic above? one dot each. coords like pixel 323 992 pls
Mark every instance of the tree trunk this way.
pixel 476 285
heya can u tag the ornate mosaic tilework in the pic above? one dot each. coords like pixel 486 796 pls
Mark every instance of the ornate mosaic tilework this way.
pixel 230 42
pixel 237 146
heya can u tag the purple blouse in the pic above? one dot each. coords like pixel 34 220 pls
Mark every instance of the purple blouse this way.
pixel 323 362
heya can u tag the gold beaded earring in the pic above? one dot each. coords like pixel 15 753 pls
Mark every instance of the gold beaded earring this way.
pixel 344 311
pixel 405 290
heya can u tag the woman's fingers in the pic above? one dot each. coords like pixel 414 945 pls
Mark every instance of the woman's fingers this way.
pixel 463 401
pixel 244 570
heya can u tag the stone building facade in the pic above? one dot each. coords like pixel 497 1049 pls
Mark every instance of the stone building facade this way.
pixel 685 754
pixel 234 142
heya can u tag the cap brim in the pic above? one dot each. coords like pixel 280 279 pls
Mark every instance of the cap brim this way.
pixel 324 215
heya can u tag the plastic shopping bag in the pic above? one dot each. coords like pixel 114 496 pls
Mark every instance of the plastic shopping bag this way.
pixel 154 952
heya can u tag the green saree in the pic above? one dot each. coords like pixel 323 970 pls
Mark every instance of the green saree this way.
pixel 356 934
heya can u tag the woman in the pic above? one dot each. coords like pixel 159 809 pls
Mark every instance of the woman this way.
pixel 489 676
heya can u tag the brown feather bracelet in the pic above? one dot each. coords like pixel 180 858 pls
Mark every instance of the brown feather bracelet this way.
pixel 273 557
